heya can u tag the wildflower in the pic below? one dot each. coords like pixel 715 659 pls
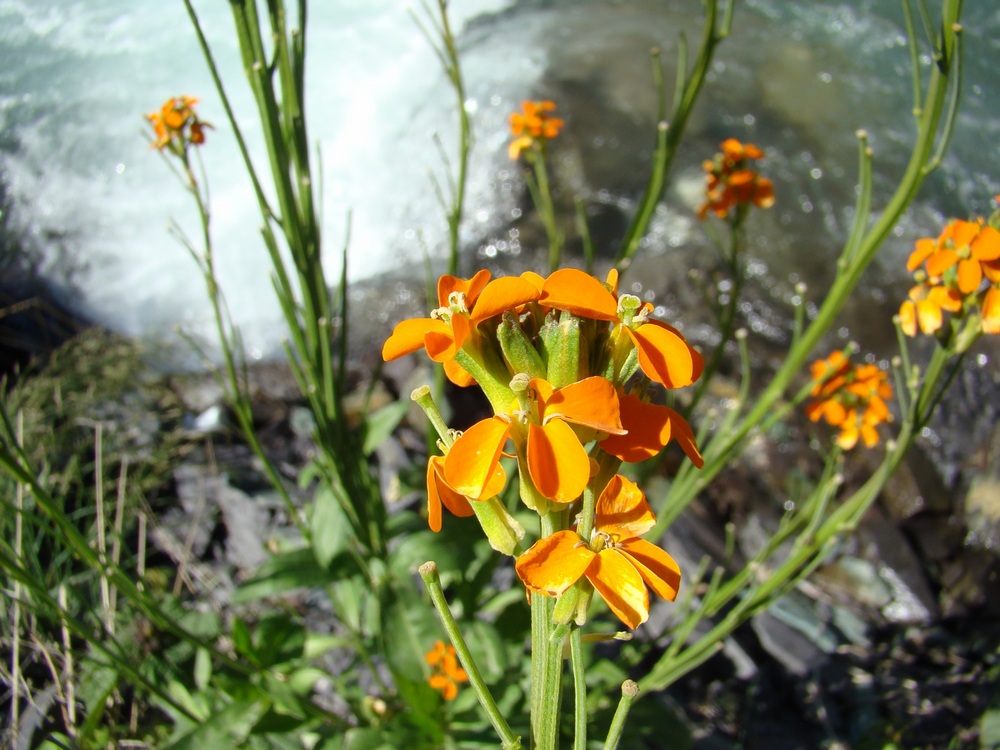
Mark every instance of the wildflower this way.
pixel 548 447
pixel 730 183
pixel 462 306
pixel 177 124
pixel 616 562
pixel 950 270
pixel 446 673
pixel 964 246
pixel 851 398
pixel 533 125
pixel 925 305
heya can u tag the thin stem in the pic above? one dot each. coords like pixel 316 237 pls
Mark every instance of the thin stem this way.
pixel 579 690
pixel 432 580
pixel 629 692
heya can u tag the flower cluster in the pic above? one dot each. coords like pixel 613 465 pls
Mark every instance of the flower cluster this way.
pixel 614 560
pixel 569 366
pixel 958 272
pixel 177 124
pixel 731 183
pixel 446 674
pixel 534 124
pixel 851 398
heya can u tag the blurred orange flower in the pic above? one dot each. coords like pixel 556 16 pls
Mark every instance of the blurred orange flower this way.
pixel 534 124
pixel 730 183
pixel 446 673
pixel 950 271
pixel 177 124
pixel 851 398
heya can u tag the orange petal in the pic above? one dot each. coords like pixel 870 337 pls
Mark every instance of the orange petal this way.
pixel 622 510
pixel 536 280
pixel 650 427
pixel 941 261
pixel 580 293
pixel 503 294
pixel 408 336
pixel 847 438
pixel 945 298
pixel 658 569
pixel 558 464
pixel 970 274
pixel 554 563
pixel 665 356
pixel 473 458
pixel 457 374
pixel 991 311
pixel 908 318
pixel 470 288
pixel 986 246
pixel 438 492
pixel 621 586
pixel 591 402
pixel 928 315
pixel 442 345
pixel 962 233
pixel 921 251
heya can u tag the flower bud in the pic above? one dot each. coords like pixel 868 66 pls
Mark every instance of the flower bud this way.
pixel 563 349
pixel 517 348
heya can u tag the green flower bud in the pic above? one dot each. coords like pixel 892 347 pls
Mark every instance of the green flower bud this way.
pixel 517 348
pixel 563 349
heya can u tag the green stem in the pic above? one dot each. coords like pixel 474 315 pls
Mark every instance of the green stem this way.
pixel 546 664
pixel 725 446
pixel 432 580
pixel 629 692
pixel 579 690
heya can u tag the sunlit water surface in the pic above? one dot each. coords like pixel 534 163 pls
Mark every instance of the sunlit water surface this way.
pixel 85 192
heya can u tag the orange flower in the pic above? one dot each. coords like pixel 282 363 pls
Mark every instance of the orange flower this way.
pixel 446 672
pixel 533 125
pixel 851 398
pixel 964 245
pixel 950 271
pixel 731 184
pixel 463 305
pixel 924 307
pixel 616 562
pixel 548 447
pixel 664 355
pixel 177 124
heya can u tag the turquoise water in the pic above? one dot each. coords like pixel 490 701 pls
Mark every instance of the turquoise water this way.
pixel 796 78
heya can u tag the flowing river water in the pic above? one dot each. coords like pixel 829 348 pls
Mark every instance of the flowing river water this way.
pixel 83 193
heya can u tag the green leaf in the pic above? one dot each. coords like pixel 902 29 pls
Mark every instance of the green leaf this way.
pixel 380 424
pixel 278 639
pixel 989 730
pixel 282 573
pixel 242 641
pixel 226 727
pixel 202 669
pixel 284 699
pixel 328 526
